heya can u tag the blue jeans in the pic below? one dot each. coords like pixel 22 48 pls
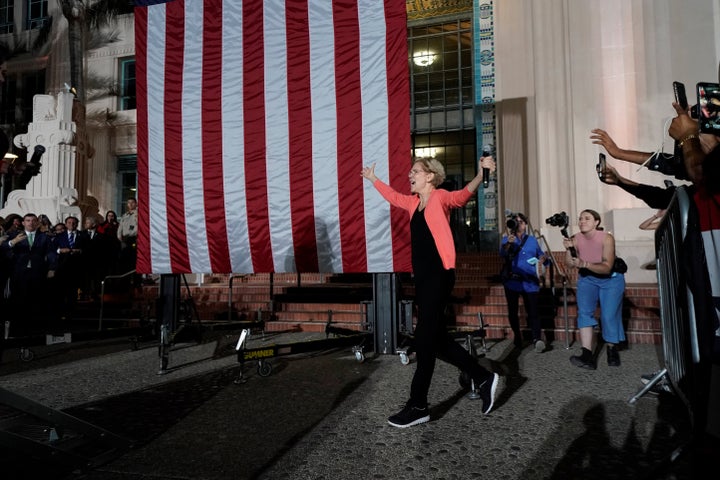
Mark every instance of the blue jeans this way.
pixel 609 292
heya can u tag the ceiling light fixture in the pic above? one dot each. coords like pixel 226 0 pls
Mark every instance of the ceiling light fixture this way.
pixel 423 58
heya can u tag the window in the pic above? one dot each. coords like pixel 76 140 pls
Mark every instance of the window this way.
pixel 33 83
pixel 37 13
pixel 127 84
pixel 127 176
pixel 17 98
pixel 442 110
pixel 8 95
pixel 441 76
pixel 7 12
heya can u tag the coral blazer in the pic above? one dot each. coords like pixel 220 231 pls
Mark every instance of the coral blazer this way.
pixel 437 214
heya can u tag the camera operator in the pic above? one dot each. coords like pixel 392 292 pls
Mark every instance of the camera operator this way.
pixel 521 254
pixel 594 259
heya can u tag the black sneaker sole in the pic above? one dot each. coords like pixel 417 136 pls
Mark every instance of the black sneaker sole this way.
pixel 493 387
pixel 414 422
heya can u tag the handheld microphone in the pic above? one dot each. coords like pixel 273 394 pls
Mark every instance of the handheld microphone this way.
pixel 486 171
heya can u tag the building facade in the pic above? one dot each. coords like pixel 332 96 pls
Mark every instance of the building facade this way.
pixel 526 80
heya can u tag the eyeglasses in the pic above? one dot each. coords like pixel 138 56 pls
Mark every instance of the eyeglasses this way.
pixel 415 172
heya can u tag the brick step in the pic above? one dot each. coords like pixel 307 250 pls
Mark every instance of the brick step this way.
pixel 307 326
pixel 320 297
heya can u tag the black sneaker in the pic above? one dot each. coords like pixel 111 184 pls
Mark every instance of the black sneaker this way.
pixel 487 392
pixel 613 357
pixel 661 388
pixel 409 416
pixel 584 360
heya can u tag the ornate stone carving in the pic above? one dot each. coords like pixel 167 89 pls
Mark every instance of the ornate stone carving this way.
pixel 418 9
pixel 53 191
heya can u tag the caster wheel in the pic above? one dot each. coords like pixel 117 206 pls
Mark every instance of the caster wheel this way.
pixel 359 356
pixel 26 355
pixel 264 369
pixel 404 358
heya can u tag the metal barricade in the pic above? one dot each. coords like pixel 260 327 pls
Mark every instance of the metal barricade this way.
pixel 680 333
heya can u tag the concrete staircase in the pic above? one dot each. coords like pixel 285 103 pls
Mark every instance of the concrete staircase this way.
pixel 306 302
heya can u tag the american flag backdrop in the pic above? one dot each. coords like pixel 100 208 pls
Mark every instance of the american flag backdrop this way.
pixel 255 118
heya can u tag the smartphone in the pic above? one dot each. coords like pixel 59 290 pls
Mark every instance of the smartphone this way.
pixel 708 95
pixel 600 167
pixel 680 95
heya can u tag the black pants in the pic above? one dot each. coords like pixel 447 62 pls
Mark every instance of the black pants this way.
pixel 530 300
pixel 431 336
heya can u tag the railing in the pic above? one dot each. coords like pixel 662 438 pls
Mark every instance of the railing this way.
pixel 102 293
pixel 230 295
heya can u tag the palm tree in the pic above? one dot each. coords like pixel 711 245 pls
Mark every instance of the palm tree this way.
pixel 85 18
pixel 85 22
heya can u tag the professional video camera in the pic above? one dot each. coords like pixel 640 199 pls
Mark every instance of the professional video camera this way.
pixel 558 220
pixel 31 167
pixel 561 220
pixel 511 223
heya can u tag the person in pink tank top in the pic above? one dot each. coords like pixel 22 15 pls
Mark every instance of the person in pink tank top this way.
pixel 597 282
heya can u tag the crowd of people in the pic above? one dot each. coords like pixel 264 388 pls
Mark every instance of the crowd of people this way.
pixel 45 269
pixel 696 159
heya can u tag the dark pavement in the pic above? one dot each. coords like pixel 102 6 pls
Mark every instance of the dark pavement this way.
pixel 322 415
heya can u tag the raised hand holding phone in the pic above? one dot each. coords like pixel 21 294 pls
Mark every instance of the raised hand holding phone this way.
pixel 600 167
pixel 680 95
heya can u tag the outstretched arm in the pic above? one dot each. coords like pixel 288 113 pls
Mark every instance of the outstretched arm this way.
pixel 653 222
pixel 612 177
pixel 602 138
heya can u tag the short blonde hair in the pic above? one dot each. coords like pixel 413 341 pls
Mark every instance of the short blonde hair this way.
pixel 432 165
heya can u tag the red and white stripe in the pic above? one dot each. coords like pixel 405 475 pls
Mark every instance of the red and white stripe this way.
pixel 254 121
pixel 708 205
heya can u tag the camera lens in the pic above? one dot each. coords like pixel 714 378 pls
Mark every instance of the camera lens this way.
pixel 512 224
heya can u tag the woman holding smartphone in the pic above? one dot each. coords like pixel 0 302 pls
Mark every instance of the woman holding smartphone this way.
pixel 596 283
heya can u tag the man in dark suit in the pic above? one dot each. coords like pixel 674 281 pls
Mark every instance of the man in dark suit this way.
pixel 33 260
pixel 94 261
pixel 70 247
